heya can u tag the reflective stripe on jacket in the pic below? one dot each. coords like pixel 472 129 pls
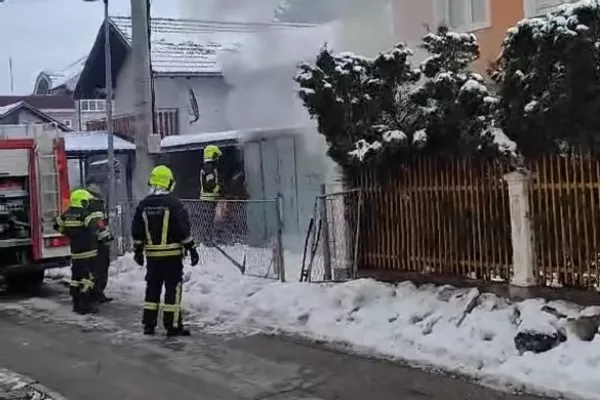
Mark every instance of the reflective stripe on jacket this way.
pixel 161 226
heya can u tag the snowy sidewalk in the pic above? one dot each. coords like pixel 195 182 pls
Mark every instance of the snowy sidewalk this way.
pixel 458 330
pixel 14 386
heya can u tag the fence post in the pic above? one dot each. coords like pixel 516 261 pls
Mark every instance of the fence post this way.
pixel 327 273
pixel 280 263
pixel 521 229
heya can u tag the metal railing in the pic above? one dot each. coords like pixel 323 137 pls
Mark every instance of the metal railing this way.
pixel 332 241
pixel 243 233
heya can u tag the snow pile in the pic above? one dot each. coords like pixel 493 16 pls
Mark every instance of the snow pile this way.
pixel 460 330
pixel 16 386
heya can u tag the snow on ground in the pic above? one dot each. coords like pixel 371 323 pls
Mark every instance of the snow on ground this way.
pixel 458 330
pixel 14 386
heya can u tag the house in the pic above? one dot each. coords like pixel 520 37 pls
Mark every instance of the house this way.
pixel 184 64
pixel 58 107
pixel 61 84
pixel 22 112
pixel 487 19
pixel 190 87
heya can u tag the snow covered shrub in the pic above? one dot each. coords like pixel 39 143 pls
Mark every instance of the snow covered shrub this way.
pixel 455 108
pixel 549 82
pixel 359 103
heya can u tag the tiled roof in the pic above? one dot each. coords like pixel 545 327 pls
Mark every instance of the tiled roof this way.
pixel 193 47
pixel 41 102
pixel 66 76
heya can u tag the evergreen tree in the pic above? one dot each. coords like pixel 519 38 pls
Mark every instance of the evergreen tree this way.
pixel 455 107
pixel 356 99
pixel 549 81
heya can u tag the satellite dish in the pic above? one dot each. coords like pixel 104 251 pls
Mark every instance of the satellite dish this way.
pixel 194 111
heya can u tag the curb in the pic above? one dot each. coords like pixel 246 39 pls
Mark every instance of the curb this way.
pixel 32 388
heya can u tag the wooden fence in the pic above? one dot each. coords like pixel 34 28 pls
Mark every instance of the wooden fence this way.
pixel 452 218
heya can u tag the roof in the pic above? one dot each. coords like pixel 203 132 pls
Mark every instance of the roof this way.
pixel 196 141
pixel 192 47
pixel 66 76
pixel 94 142
pixel 7 109
pixel 12 108
pixel 41 102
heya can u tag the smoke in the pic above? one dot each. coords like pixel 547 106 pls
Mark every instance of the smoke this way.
pixel 261 69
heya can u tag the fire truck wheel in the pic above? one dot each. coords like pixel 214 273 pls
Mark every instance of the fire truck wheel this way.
pixel 25 281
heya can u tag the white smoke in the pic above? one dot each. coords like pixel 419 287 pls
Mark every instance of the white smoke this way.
pixel 261 70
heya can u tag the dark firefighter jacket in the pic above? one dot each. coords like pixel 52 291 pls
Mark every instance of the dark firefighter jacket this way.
pixel 84 229
pixel 211 183
pixel 161 226
pixel 97 207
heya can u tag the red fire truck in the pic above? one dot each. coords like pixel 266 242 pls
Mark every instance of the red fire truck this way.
pixel 34 189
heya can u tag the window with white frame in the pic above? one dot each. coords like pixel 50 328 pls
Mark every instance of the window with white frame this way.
pixel 536 8
pixel 464 15
pixel 95 105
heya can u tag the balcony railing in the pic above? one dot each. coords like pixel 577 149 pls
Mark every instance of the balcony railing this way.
pixel 166 123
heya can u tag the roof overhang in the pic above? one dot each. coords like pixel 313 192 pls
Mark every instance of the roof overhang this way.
pixel 197 141
pixel 94 65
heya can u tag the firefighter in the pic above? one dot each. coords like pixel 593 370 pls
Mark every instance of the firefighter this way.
pixel 161 233
pixel 85 230
pixel 103 260
pixel 211 186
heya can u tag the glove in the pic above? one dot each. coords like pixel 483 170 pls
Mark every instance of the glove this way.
pixel 138 256
pixel 194 257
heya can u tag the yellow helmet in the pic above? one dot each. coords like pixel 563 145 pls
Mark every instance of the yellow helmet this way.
pixel 80 198
pixel 162 177
pixel 211 152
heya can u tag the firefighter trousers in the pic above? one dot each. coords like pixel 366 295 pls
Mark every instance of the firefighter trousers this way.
pixel 167 271
pixel 82 283
pixel 101 270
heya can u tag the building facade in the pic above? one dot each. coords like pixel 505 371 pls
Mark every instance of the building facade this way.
pixel 489 20
pixel 61 84
pixel 59 107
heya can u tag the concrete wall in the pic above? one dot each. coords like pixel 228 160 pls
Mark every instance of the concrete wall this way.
pixel 173 93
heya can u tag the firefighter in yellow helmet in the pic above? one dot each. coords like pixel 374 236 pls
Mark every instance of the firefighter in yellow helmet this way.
pixel 85 230
pixel 97 205
pixel 211 186
pixel 161 233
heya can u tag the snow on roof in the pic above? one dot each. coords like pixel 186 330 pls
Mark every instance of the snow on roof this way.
pixel 93 141
pixel 8 108
pixel 240 135
pixel 68 75
pixel 192 46
pixel 198 138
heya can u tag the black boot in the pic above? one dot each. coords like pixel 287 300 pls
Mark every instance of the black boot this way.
pixel 103 299
pixel 149 330
pixel 179 331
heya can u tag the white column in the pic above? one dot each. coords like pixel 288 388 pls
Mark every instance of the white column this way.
pixel 521 229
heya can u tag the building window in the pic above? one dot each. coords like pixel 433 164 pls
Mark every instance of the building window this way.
pixel 537 8
pixel 67 122
pixel 96 105
pixel 464 15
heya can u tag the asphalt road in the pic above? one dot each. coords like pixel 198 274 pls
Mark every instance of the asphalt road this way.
pixel 105 357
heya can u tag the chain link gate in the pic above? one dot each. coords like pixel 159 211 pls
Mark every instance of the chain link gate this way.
pixel 243 233
pixel 331 243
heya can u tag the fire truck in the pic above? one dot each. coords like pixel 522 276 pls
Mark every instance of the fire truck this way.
pixel 34 189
